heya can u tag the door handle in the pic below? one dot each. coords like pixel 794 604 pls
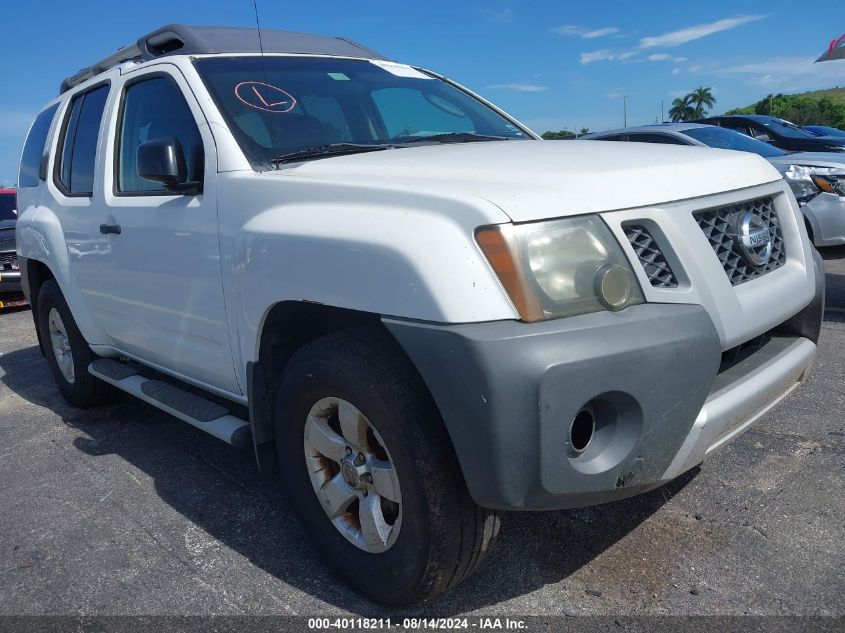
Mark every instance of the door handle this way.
pixel 107 229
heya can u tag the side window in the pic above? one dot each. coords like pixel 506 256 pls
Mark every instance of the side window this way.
pixel 737 127
pixel 663 139
pixel 761 134
pixel 154 109
pixel 78 149
pixel 614 137
pixel 407 112
pixel 33 149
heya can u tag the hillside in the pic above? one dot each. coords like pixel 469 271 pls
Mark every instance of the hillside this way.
pixel 818 107
pixel 837 94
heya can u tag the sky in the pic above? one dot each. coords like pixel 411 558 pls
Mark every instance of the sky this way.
pixel 551 64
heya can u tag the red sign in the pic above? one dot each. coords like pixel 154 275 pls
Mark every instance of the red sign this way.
pixel 266 97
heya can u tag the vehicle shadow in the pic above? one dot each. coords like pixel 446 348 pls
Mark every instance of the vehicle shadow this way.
pixel 832 252
pixel 219 490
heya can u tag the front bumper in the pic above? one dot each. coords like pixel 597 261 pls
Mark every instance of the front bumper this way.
pixel 826 214
pixel 653 377
pixel 10 282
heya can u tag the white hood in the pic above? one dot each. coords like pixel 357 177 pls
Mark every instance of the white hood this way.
pixel 531 180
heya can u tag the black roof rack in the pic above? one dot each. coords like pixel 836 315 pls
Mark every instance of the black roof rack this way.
pixel 178 39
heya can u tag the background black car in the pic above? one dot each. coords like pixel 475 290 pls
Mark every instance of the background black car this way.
pixel 10 275
pixel 778 132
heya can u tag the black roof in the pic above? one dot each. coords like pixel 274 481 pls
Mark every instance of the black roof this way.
pixel 178 39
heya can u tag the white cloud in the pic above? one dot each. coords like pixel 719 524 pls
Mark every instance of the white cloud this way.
pixel 569 30
pixel 584 32
pixel 676 71
pixel 783 73
pixel 504 16
pixel 590 35
pixel 597 56
pixel 661 57
pixel 627 55
pixel 690 33
pixel 519 87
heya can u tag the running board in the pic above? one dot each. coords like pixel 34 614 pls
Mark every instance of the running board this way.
pixel 188 407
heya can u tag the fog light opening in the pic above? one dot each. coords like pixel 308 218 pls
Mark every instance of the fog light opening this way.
pixel 581 431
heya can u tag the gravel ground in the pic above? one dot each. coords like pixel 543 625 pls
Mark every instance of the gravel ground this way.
pixel 125 510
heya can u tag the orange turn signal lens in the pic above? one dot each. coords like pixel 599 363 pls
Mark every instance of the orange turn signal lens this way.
pixel 504 258
pixel 824 184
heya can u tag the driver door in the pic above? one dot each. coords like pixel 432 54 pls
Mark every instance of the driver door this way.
pixel 161 294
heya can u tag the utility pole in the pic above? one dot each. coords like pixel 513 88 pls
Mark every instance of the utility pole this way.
pixel 625 110
pixel 661 111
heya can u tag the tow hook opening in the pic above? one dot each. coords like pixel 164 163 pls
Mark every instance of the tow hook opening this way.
pixel 581 430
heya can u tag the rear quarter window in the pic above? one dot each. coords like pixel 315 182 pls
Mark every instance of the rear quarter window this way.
pixel 33 149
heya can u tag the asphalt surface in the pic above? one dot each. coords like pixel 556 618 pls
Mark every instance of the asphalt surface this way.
pixel 125 510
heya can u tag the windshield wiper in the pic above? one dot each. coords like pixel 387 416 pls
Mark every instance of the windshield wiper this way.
pixel 322 151
pixel 454 137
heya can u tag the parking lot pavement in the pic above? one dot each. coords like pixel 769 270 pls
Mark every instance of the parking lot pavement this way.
pixel 125 510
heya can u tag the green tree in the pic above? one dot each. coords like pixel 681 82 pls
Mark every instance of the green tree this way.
pixel 701 99
pixel 562 134
pixel 681 109
pixel 584 130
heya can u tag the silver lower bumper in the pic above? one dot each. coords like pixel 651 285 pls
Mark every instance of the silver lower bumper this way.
pixel 826 213
pixel 741 396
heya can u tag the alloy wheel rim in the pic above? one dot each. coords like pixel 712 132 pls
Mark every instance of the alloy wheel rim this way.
pixel 353 475
pixel 60 343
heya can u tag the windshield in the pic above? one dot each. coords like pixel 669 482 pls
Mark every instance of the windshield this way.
pixel 787 129
pixel 277 106
pixel 723 138
pixel 8 207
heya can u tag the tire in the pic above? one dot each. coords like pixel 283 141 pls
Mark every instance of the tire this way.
pixel 57 327
pixel 810 231
pixel 442 535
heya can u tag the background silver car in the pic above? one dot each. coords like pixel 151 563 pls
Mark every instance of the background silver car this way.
pixel 816 178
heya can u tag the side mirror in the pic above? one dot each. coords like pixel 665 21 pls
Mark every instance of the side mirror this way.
pixel 163 160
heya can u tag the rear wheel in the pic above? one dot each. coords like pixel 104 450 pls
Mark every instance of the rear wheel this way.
pixel 67 352
pixel 371 470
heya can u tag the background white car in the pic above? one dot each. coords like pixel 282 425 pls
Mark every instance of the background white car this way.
pixel 817 179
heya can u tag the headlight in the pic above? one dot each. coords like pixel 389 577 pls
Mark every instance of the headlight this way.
pixel 808 182
pixel 560 268
pixel 830 183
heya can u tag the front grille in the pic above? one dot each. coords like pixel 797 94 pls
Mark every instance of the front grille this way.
pixel 648 251
pixel 735 355
pixel 8 261
pixel 718 227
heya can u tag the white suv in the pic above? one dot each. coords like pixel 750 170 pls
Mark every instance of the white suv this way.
pixel 429 314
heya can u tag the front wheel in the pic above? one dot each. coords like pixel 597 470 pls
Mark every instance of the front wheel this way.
pixel 371 470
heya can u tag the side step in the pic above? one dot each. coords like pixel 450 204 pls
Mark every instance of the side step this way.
pixel 188 407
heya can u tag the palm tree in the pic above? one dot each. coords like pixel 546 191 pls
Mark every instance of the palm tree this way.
pixel 700 98
pixel 681 109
